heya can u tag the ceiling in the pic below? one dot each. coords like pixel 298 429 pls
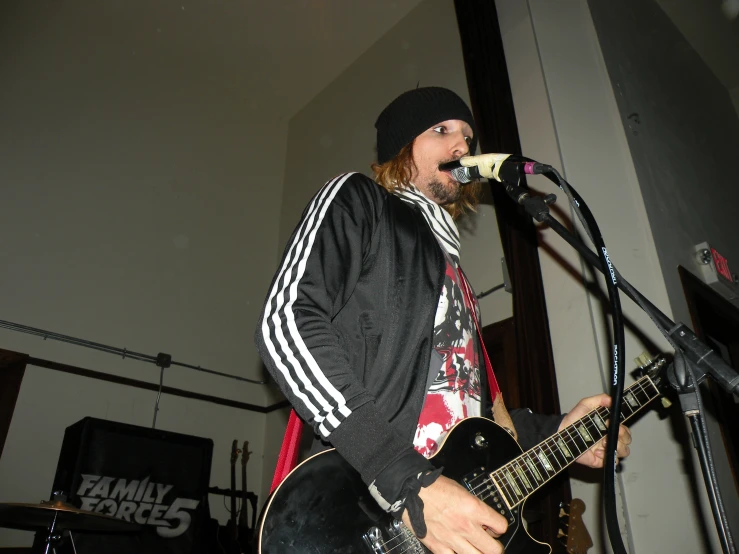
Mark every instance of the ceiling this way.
pixel 712 28
pixel 290 49
pixel 284 52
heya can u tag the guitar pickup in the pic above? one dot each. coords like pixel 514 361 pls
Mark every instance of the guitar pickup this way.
pixel 478 482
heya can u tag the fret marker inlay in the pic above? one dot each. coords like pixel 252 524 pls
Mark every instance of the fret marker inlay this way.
pixel 533 469
pixel 584 433
pixel 545 461
pixel 563 447
pixel 523 479
pixel 632 401
pixel 599 422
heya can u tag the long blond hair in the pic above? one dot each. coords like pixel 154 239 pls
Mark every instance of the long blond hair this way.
pixel 396 173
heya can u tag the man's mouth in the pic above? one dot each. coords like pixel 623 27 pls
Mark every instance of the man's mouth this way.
pixel 447 171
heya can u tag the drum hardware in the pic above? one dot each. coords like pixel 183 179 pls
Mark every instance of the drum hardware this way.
pixel 59 519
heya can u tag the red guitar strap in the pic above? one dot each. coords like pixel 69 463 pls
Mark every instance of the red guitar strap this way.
pixel 500 413
pixel 289 451
pixel 492 381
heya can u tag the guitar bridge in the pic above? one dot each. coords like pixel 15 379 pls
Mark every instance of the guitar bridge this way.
pixel 397 534
pixel 478 482
pixel 373 539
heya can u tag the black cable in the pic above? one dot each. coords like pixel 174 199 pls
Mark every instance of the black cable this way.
pixel 667 327
pixel 617 383
pixel 161 360
pixel 662 323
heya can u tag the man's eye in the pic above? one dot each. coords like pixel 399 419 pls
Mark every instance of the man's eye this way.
pixel 440 129
pixel 468 140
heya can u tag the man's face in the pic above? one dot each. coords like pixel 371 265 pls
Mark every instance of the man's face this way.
pixel 444 142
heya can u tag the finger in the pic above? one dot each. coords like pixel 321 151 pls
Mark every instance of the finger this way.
pixel 437 548
pixel 485 541
pixel 476 541
pixel 623 450
pixel 624 435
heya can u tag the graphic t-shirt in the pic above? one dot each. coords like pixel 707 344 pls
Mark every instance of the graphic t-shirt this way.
pixel 455 391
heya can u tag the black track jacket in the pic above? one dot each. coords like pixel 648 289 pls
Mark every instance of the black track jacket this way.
pixel 347 326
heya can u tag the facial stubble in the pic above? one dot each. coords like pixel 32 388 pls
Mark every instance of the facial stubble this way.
pixel 442 194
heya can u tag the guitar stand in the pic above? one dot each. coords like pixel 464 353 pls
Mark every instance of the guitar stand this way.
pixel 252 497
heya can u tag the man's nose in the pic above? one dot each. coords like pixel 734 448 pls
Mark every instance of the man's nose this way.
pixel 459 146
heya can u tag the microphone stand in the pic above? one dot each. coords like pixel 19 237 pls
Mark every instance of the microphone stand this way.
pixel 702 361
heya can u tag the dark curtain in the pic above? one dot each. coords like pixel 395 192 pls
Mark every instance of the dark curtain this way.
pixel 492 105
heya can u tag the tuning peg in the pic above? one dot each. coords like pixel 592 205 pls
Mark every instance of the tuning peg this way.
pixel 643 360
pixel 562 512
pixel 561 533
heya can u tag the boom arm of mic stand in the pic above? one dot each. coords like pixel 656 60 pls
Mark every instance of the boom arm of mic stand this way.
pixel 703 357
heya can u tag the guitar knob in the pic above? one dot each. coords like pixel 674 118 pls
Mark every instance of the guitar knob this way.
pixel 480 441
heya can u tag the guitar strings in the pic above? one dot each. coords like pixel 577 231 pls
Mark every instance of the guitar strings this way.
pixel 488 484
pixel 404 541
pixel 547 448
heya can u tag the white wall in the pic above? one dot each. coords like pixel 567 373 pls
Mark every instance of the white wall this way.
pixel 567 116
pixel 335 132
pixel 139 190
pixel 685 130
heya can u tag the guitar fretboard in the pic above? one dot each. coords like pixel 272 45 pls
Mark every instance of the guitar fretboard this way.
pixel 522 476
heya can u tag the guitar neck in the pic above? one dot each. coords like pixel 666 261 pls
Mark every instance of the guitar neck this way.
pixel 233 493
pixel 242 514
pixel 527 473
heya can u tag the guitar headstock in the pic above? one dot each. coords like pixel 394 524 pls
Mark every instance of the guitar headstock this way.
pixel 245 453
pixel 578 540
pixel 654 368
pixel 235 451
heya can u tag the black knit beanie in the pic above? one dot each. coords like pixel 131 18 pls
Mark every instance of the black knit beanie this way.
pixel 414 111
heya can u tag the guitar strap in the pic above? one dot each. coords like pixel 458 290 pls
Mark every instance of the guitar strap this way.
pixel 500 412
pixel 289 451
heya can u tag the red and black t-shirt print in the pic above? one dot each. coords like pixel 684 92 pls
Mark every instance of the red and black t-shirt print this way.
pixel 455 392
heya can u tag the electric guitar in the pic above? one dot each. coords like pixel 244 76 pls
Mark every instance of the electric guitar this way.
pixel 323 506
pixel 232 529
pixel 578 539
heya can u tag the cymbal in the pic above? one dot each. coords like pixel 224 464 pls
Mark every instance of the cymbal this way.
pixel 31 517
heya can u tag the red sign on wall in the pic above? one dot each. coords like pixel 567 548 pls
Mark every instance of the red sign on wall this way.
pixel 722 265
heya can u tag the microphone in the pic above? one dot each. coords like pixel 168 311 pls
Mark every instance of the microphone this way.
pixel 501 167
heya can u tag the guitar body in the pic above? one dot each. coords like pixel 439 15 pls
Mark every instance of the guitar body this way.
pixel 324 507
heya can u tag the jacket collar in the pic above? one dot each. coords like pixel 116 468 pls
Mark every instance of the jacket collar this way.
pixel 438 219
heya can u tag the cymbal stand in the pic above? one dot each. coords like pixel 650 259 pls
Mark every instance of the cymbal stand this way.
pixel 53 538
